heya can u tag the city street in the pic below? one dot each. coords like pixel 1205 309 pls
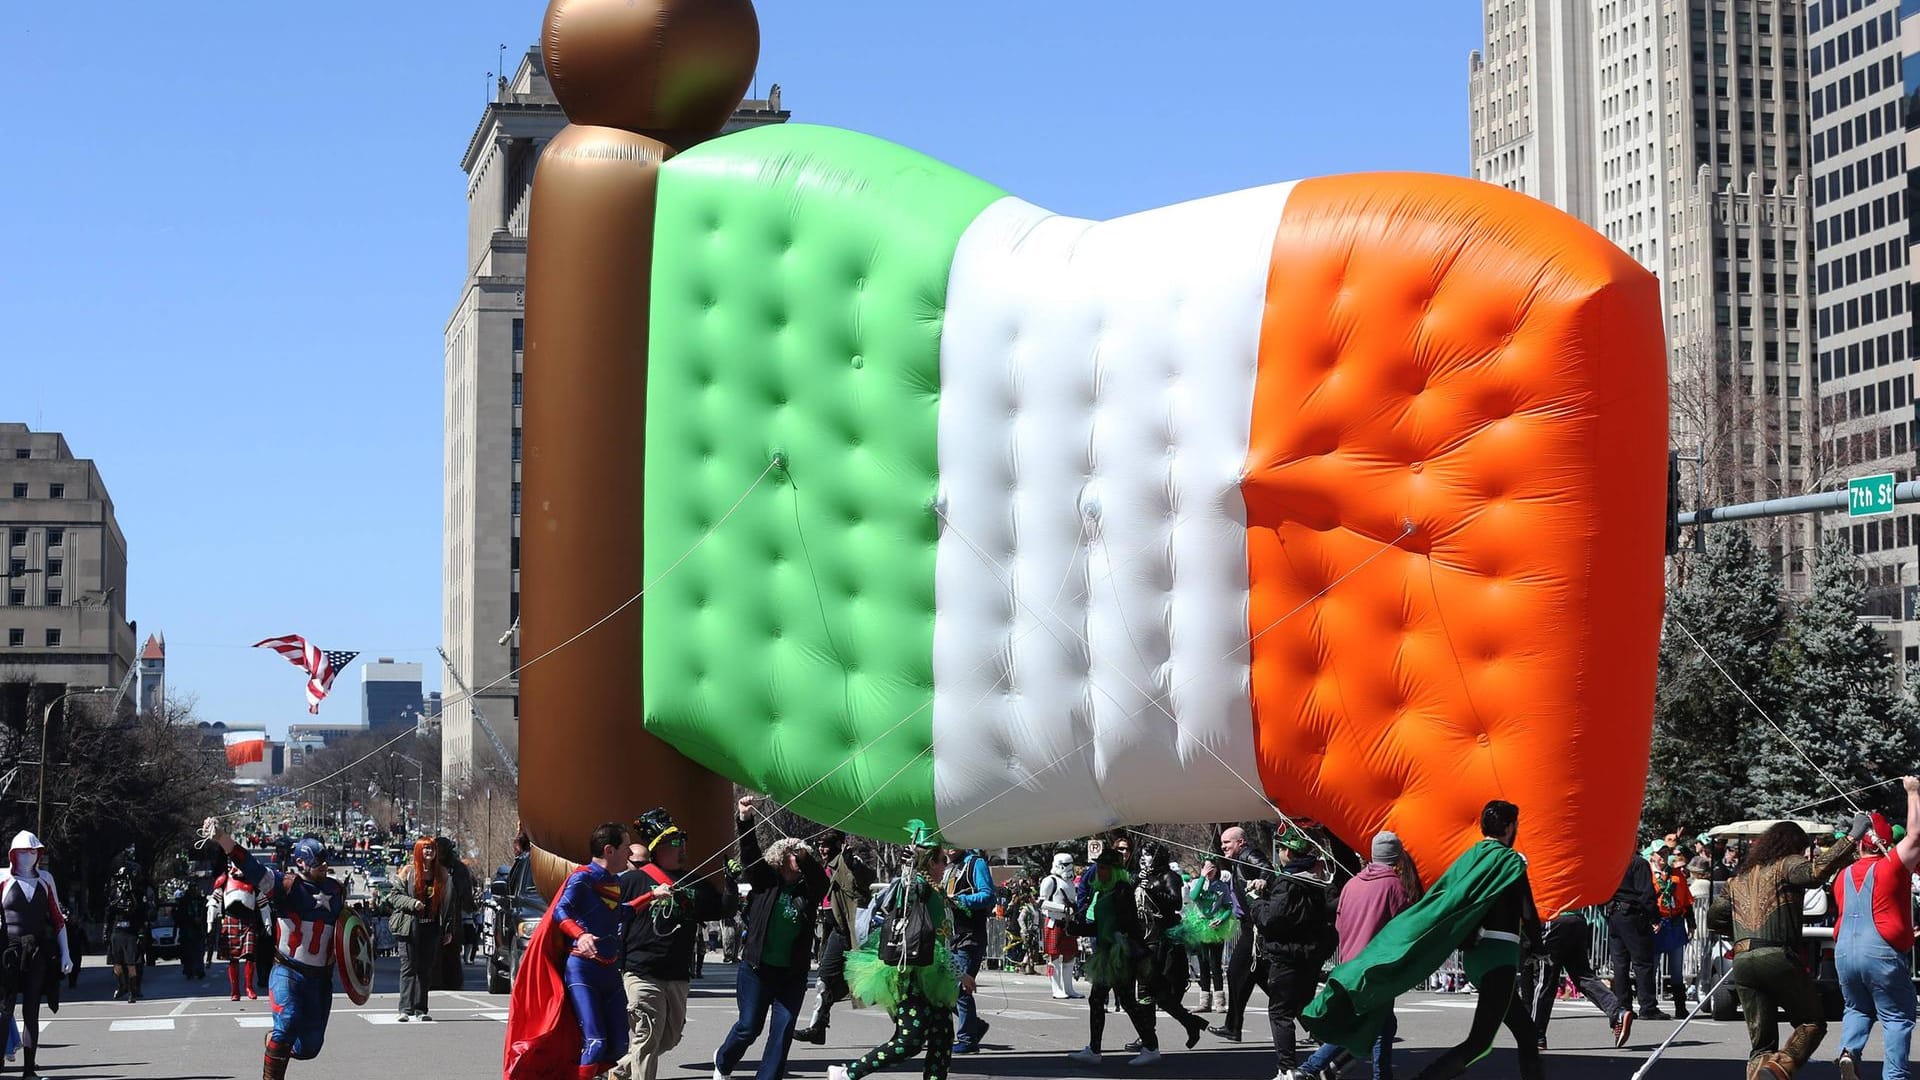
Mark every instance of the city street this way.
pixel 184 1032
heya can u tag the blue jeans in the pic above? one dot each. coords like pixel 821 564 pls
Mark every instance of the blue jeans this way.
pixel 1382 1053
pixel 762 990
pixel 301 1003
pixel 1877 981
pixel 967 1025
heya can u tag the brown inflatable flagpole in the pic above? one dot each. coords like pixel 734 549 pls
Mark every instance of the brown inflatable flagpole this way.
pixel 638 79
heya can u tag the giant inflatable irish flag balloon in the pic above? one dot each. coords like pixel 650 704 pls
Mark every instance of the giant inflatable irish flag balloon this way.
pixel 1341 495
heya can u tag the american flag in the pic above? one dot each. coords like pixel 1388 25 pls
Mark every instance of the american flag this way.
pixel 320 666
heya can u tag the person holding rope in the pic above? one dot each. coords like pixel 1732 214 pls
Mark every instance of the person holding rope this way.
pixel 906 968
pixel 1382 889
pixel 1245 968
pixel 1762 914
pixel 307 905
pixel 656 957
pixel 1161 973
pixel 1873 942
pixel 1294 911
pixel 786 885
pixel 849 884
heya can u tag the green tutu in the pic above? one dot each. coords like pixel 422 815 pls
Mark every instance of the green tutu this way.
pixel 1109 964
pixel 1199 928
pixel 877 982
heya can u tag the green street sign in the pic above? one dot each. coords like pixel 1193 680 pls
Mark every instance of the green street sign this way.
pixel 1870 495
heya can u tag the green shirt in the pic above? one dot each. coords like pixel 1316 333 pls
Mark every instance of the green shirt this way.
pixel 783 925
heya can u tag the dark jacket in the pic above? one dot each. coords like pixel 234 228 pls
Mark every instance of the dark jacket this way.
pixel 765 885
pixel 1250 866
pixel 659 940
pixel 973 897
pixel 1295 917
pixel 1635 895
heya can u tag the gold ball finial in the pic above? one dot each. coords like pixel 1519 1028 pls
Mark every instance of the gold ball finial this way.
pixel 651 65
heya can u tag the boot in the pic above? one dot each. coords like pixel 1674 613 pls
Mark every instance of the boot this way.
pixel 1801 1044
pixel 133 986
pixel 251 995
pixel 27 1070
pixel 1206 1002
pixel 119 983
pixel 233 982
pixel 1774 1066
pixel 1679 1003
pixel 815 1031
pixel 275 1067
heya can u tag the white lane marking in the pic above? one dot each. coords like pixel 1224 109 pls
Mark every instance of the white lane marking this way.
pixel 381 1018
pixel 182 1007
pixel 254 1021
pixel 1023 1014
pixel 164 1023
pixel 501 1016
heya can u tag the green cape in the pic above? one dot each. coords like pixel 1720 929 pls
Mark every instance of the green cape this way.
pixel 1352 1006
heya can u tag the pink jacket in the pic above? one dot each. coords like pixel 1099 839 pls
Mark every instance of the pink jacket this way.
pixel 1374 896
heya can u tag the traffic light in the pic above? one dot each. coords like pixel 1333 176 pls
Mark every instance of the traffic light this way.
pixel 1673 502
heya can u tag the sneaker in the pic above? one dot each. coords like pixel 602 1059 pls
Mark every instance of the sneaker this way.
pixel 718 1072
pixel 1149 1056
pixel 1134 1046
pixel 836 1072
pixel 1654 1014
pixel 1622 1028
pixel 1540 1043
pixel 1087 1056
pixel 1220 1032
pixel 1849 1065
pixel 426 1018
pixel 405 1016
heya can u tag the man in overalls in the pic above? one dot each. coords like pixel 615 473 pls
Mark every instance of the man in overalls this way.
pixel 1873 942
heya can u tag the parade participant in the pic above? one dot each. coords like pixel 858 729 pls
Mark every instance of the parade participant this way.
pixel 1632 915
pixel 34 952
pixel 1158 897
pixel 1294 913
pixel 786 885
pixel 307 908
pixel 849 884
pixel 1674 901
pixel 1207 926
pixel 1762 914
pixel 1059 899
pixel 127 915
pixel 1246 967
pixel 238 931
pixel 568 1013
pixel 657 952
pixel 1368 902
pixel 422 901
pixel 189 915
pixel 970 887
pixel 1565 945
pixel 1113 922
pixel 906 967
pixel 1873 942
pixel 1478 907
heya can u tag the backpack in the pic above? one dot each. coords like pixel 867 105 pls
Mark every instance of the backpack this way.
pixel 122 894
pixel 907 932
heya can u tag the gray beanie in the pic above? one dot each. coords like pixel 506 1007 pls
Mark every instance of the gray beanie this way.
pixel 1386 848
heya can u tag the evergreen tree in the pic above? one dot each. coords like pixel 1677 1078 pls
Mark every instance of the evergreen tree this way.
pixel 1703 729
pixel 1845 707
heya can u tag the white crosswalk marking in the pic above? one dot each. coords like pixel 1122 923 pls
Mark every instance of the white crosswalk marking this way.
pixel 501 1016
pixel 164 1023
pixel 254 1021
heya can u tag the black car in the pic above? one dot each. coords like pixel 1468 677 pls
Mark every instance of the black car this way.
pixel 514 908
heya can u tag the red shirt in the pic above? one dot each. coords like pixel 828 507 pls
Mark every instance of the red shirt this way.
pixel 1892 897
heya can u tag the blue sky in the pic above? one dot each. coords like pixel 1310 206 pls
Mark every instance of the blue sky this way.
pixel 237 231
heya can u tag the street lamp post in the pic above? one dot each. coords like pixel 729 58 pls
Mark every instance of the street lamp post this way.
pixel 46 725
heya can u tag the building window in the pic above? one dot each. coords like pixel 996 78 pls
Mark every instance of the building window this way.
pixel 55 596
pixel 22 454
pixel 516 444
pixel 518 391
pixel 56 537
pixel 17 597
pixel 53 637
pixel 16 637
pixel 17 537
pixel 19 491
pixel 16 567
pixel 55 566
pixel 516 498
pixel 519 335
pixel 516 553
pixel 56 491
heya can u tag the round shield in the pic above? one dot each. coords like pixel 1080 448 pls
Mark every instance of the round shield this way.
pixel 353 946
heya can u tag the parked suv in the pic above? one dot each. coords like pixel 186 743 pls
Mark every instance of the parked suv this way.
pixel 514 908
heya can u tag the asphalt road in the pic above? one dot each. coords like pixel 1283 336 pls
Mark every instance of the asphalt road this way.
pixel 187 1031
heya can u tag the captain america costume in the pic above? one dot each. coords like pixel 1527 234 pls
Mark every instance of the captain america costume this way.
pixel 306 917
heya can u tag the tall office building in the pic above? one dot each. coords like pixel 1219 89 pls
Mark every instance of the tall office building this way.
pixel 63 581
pixel 1532 126
pixel 390 696
pixel 1696 143
pixel 1862 271
pixel 481 564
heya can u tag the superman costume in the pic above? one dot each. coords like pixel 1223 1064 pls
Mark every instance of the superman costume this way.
pixel 568 1014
